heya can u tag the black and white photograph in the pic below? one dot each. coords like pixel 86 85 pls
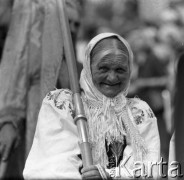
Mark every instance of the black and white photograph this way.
pixel 91 89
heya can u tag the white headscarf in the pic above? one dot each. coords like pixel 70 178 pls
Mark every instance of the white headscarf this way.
pixel 109 119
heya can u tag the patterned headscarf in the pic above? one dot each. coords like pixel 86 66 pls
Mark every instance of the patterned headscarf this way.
pixel 109 119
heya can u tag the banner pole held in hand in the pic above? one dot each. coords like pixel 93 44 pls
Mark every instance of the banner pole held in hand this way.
pixel 80 119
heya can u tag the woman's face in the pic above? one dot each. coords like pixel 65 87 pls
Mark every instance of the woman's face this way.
pixel 110 71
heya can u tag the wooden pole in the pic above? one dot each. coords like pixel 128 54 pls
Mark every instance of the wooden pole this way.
pixel 80 118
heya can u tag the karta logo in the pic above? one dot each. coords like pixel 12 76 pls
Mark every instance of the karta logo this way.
pixel 146 170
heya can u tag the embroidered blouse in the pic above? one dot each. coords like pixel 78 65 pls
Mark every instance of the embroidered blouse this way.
pixel 55 150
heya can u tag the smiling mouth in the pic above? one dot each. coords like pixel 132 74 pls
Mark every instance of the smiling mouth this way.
pixel 112 85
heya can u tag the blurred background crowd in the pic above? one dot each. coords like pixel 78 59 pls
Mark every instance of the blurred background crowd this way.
pixel 155 31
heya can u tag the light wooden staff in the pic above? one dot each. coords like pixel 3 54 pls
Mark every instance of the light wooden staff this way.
pixel 80 118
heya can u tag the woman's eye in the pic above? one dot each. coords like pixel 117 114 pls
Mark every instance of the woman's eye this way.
pixel 103 69
pixel 120 70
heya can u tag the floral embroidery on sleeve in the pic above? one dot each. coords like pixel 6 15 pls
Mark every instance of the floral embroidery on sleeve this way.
pixel 50 95
pixel 140 110
pixel 60 105
pixel 62 100
pixel 138 115
pixel 150 113
pixel 72 112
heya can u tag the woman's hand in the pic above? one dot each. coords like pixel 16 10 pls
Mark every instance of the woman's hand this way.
pixel 91 172
pixel 8 138
pixel 94 172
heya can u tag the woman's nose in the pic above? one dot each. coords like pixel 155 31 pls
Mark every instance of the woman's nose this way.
pixel 112 77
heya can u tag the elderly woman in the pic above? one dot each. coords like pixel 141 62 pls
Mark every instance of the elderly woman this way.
pixel 123 132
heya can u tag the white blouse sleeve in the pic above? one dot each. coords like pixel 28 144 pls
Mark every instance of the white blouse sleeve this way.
pixel 146 122
pixel 55 146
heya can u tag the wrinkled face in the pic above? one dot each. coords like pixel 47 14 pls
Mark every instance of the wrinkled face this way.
pixel 110 71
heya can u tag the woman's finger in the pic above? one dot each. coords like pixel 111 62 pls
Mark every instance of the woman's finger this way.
pixel 91 173
pixel 89 168
pixel 92 177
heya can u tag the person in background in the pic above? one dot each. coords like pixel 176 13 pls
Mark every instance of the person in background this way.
pixel 178 110
pixel 32 65
pixel 176 144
